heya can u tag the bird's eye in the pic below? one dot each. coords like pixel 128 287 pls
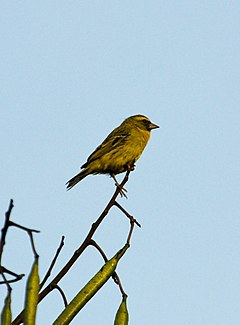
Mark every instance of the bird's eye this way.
pixel 146 122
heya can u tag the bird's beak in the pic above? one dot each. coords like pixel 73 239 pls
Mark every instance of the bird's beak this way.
pixel 153 126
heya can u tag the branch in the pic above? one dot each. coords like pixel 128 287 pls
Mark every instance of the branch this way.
pixel 30 233
pixel 3 242
pixel 5 228
pixel 17 276
pixel 56 286
pixel 53 263
pixel 18 320
pixel 130 217
pixel 8 223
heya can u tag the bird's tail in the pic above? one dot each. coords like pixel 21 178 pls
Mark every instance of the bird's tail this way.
pixel 73 181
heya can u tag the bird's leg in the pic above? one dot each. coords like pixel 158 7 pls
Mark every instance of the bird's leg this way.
pixel 131 167
pixel 122 189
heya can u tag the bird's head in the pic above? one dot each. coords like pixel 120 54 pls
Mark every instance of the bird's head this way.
pixel 142 122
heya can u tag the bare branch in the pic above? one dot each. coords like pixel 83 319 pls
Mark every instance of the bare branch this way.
pixel 11 223
pixel 3 241
pixel 8 223
pixel 16 276
pixel 130 232
pixel 29 232
pixel 52 263
pixel 18 320
pixel 56 286
pixel 5 228
pixel 130 217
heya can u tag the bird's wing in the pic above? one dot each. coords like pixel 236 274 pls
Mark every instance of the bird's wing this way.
pixel 116 138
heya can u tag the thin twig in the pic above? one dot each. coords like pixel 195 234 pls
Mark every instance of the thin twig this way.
pixel 95 244
pixel 3 241
pixel 12 280
pixel 5 281
pixel 5 228
pixel 129 216
pixel 56 286
pixel 119 283
pixel 3 269
pixel 8 223
pixel 32 244
pixel 11 223
pixel 52 263
pixel 130 232
pixel 29 232
pixel 17 276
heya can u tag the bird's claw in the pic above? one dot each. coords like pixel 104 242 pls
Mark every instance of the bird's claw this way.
pixel 122 190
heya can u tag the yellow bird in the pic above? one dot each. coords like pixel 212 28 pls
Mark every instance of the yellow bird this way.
pixel 119 151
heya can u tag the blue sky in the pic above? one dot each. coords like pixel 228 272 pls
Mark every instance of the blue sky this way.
pixel 70 73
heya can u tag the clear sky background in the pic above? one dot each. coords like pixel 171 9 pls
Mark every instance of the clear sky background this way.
pixel 71 71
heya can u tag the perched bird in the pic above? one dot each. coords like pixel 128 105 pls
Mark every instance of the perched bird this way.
pixel 119 151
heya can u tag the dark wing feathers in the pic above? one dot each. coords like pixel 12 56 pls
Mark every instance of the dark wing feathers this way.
pixel 116 138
